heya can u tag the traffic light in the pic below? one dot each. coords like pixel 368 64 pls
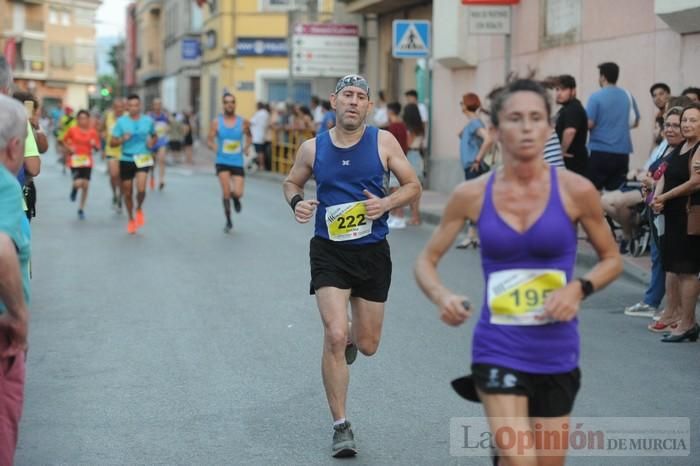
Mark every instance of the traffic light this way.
pixel 104 92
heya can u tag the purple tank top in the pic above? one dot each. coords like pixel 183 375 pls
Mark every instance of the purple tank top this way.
pixel 547 248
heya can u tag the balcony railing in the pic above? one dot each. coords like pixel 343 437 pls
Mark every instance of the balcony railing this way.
pixel 29 68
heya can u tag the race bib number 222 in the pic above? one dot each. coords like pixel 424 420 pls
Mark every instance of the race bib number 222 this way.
pixel 348 221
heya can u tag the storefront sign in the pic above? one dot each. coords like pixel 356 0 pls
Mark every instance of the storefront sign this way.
pixel 261 47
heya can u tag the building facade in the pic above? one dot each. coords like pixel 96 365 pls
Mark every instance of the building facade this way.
pixel 651 40
pixel 51 46
pixel 244 51
pixel 150 53
pixel 182 27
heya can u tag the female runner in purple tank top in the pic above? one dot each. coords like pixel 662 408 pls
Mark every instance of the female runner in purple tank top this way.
pixel 526 345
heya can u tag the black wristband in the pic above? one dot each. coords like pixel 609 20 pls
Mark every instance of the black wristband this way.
pixel 586 287
pixel 295 200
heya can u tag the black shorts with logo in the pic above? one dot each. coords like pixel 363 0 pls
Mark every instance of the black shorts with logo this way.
pixel 81 173
pixel 128 170
pixel 234 171
pixel 364 269
pixel 549 395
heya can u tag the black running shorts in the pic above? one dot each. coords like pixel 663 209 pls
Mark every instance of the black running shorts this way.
pixel 549 395
pixel 234 171
pixel 128 170
pixel 363 269
pixel 81 173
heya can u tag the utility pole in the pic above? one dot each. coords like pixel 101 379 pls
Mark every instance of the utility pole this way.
pixel 290 55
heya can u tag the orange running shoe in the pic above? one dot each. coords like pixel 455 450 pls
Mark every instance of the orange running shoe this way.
pixel 131 227
pixel 152 182
pixel 140 218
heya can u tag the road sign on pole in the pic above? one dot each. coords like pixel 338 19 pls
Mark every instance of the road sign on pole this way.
pixel 325 50
pixel 411 39
pixel 489 19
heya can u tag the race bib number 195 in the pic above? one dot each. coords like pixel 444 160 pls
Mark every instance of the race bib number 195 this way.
pixel 348 221
pixel 516 297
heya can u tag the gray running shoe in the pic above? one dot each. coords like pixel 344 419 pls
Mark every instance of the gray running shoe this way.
pixel 350 353
pixel 640 310
pixel 343 441
pixel 657 315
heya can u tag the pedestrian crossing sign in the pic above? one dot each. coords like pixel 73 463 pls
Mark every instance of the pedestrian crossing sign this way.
pixel 411 39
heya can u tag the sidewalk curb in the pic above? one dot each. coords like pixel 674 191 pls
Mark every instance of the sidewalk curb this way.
pixel 585 256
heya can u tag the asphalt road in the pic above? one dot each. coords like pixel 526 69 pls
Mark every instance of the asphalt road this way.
pixel 184 345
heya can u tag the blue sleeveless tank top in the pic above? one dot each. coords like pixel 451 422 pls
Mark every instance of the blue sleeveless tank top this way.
pixel 341 175
pixel 160 122
pixel 549 247
pixel 229 143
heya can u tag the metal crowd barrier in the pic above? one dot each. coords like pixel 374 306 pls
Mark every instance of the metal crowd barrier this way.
pixel 285 143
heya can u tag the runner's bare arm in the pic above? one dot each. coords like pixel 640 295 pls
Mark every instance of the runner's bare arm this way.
pixel 248 136
pixel 211 137
pixel 398 164
pixel 298 176
pixel 463 204
pixel 32 166
pixel 487 142
pixel 117 141
pixel 583 203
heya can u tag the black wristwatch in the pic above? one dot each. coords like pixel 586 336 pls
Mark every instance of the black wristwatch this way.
pixel 586 287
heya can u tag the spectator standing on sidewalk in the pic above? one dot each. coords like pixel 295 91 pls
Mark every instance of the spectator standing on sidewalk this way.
pixel 474 143
pixel 316 112
pixel 258 129
pixel 612 112
pixel 380 118
pixel 416 146
pixel 14 272
pixel 328 121
pixel 678 190
pixel 660 93
pixel 693 93
pixel 571 125
pixel 398 128
pixel 188 140
pixel 654 168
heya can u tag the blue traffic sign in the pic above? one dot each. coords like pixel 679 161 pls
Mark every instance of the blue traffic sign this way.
pixel 411 38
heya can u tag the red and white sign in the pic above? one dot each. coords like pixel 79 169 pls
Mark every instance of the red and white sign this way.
pixel 490 2
pixel 325 50
pixel 327 29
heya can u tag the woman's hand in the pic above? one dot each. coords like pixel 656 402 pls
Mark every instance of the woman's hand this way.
pixel 657 205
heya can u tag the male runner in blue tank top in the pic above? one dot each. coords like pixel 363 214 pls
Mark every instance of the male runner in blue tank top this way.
pixel 227 134
pixel 350 259
pixel 525 348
